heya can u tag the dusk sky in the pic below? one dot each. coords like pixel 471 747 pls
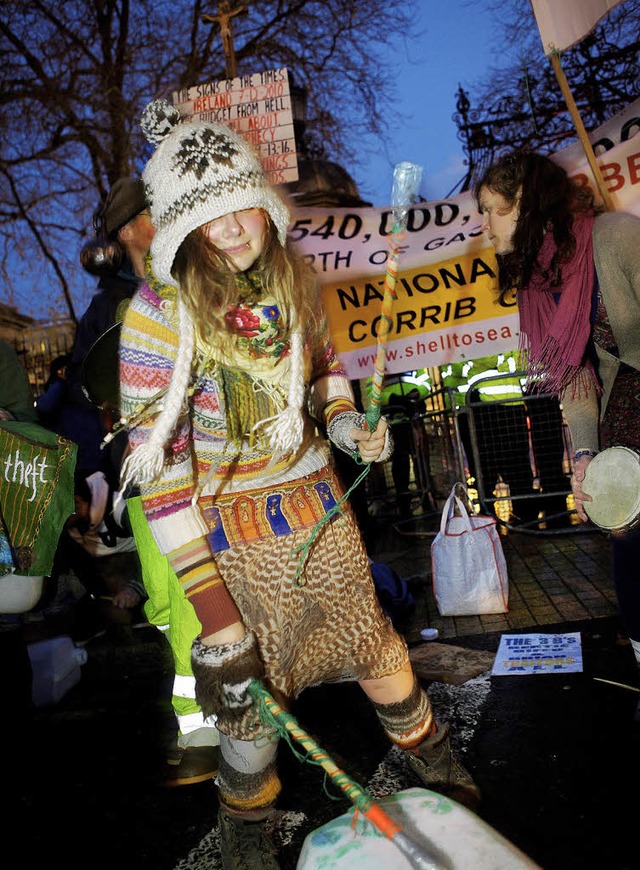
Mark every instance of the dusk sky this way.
pixel 459 43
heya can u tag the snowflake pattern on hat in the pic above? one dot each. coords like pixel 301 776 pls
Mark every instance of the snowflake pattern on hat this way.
pixel 200 148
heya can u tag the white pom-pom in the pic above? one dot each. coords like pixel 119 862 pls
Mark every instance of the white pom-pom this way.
pixel 158 120
pixel 285 433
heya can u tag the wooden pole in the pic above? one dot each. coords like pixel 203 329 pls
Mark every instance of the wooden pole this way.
pixel 582 133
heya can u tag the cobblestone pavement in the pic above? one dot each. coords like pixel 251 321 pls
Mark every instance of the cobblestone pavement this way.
pixel 556 755
pixel 560 577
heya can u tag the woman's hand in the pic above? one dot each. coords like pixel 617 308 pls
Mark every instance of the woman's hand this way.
pixel 370 444
pixel 577 478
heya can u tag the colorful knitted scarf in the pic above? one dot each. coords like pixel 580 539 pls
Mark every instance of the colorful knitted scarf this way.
pixel 555 322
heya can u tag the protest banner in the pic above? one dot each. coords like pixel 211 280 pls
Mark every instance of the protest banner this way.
pixel 446 309
pixel 619 128
pixel 257 106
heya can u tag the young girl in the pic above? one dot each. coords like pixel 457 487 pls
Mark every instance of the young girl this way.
pixel 228 374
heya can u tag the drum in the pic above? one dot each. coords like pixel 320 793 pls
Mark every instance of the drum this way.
pixel 612 479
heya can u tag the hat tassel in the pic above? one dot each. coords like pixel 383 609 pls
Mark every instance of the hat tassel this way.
pixel 285 431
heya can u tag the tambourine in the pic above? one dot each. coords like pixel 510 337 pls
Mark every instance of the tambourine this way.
pixel 612 479
pixel 100 372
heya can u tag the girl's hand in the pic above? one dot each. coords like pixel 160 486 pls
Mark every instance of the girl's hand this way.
pixel 370 444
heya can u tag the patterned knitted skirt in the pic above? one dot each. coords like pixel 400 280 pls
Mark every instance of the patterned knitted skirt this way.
pixel 327 626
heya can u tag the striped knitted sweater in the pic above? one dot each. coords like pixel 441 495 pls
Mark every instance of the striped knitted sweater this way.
pixel 201 459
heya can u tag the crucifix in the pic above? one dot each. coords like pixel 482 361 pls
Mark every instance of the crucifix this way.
pixel 223 18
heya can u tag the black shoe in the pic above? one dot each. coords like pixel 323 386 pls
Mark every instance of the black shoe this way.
pixel 439 770
pixel 195 764
pixel 244 844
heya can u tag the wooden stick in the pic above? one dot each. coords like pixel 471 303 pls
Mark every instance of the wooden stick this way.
pixel 613 683
pixel 580 128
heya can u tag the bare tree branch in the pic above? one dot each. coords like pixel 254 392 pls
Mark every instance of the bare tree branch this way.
pixel 522 104
pixel 76 74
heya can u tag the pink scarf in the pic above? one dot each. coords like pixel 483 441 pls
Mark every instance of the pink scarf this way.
pixel 555 334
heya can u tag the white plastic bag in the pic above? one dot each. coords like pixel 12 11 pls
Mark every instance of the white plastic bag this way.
pixel 467 561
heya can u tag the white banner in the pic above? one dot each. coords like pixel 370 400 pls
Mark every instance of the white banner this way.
pixel 445 308
pixel 622 127
pixel 563 23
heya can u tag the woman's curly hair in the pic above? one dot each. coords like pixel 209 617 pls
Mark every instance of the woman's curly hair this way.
pixel 547 199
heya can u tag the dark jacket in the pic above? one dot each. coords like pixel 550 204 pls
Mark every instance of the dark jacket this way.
pixel 105 309
pixel 16 396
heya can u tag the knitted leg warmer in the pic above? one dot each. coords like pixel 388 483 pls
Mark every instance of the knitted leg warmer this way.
pixel 427 747
pixel 407 722
pixel 248 780
pixel 223 674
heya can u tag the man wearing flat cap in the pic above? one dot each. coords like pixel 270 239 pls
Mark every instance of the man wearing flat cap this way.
pixel 124 232
pixel 123 236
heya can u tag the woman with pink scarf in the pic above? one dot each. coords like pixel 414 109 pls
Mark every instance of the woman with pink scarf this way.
pixel 576 274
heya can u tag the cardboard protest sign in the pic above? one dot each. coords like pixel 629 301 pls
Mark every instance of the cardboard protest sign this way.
pixel 258 106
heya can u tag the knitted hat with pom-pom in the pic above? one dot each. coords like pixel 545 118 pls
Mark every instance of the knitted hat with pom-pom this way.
pixel 197 173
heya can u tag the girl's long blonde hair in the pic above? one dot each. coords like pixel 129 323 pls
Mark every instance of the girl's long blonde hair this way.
pixel 208 285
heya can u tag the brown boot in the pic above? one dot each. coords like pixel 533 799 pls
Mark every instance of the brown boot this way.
pixel 192 764
pixel 439 770
pixel 245 844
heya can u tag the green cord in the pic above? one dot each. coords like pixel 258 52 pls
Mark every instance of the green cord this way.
pixel 372 417
pixel 288 728
pixel 304 548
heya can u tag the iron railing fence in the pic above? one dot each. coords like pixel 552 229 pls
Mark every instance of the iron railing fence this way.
pixel 37 347
pixel 513 452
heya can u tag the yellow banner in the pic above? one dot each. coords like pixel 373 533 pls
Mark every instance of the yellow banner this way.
pixel 453 292
pixel 445 306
